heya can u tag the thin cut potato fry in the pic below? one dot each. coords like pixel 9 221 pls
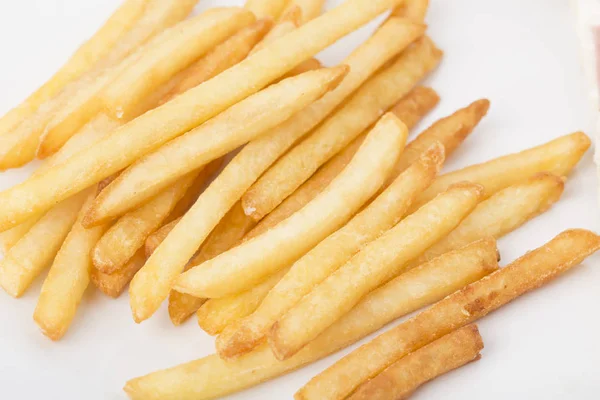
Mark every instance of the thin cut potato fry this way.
pixel 239 124
pixel 502 213
pixel 461 308
pixel 68 278
pixel 149 131
pixel 249 263
pixel 266 8
pixel 114 284
pixel 309 9
pixel 211 377
pixel 216 314
pixel 411 9
pixel 377 263
pixel 559 157
pixel 30 255
pixel 289 21
pixel 411 109
pixel 383 213
pixel 357 114
pixel 448 353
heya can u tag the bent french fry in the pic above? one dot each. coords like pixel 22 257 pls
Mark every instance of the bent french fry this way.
pixel 461 308
pixel 411 109
pixel 68 278
pixel 289 21
pixel 149 131
pixel 266 8
pixel 357 114
pixel 382 214
pixel 403 377
pixel 241 123
pixel 114 284
pixel 411 9
pixel 559 157
pixel 377 263
pixel 249 263
pixel 211 377
pixel 309 9
pixel 238 125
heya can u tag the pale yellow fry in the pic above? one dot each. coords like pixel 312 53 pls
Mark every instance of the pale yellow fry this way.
pixel 266 8
pixel 30 255
pixel 333 252
pixel 403 377
pixel 463 307
pixel 288 22
pixel 357 114
pixel 10 237
pixel 68 278
pixel 411 109
pixel 187 111
pixel 211 377
pixel 412 9
pixel 377 263
pixel 309 9
pixel 114 284
pixel 558 157
pixel 240 123
pixel 216 314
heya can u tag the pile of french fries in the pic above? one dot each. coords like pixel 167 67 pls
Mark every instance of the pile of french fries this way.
pixel 328 224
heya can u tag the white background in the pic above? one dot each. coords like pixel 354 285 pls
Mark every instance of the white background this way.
pixel 522 55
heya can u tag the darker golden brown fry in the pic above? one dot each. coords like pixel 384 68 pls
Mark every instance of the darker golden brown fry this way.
pixel 114 284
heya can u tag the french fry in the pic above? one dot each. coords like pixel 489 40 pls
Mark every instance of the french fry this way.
pixel 266 8
pixel 356 115
pixel 251 262
pixel 216 314
pixel 411 9
pixel 30 255
pixel 289 21
pixel 559 157
pixel 68 278
pixel 149 131
pixel 437 358
pixel 377 263
pixel 333 252
pixel 10 237
pixel 211 377
pixel 412 108
pixel 309 9
pixel 461 308
pixel 114 284
pixel 502 213
pixel 239 124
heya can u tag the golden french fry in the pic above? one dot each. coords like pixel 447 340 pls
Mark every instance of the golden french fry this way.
pixel 411 9
pixel 377 263
pixel 249 263
pixel 114 284
pixel 356 115
pixel 309 9
pixel 239 124
pixel 234 127
pixel 465 306
pixel 149 131
pixel 411 109
pixel 211 377
pixel 559 157
pixel 216 314
pixel 315 266
pixel 437 358
pixel 68 278
pixel 502 213
pixel 288 22
pixel 266 8
pixel 10 237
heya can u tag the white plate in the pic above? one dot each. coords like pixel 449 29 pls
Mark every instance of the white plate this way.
pixel 522 55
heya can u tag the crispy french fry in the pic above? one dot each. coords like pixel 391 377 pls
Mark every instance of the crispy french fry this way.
pixel 559 157
pixel 377 263
pixel 437 358
pixel 356 115
pixel 149 131
pixel 502 213
pixel 216 314
pixel 411 109
pixel 114 284
pixel 249 263
pixel 412 9
pixel 463 307
pixel 309 9
pixel 211 377
pixel 234 127
pixel 266 8
pixel 247 121
pixel 68 278
pixel 288 22
pixel 30 255
pixel 333 252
